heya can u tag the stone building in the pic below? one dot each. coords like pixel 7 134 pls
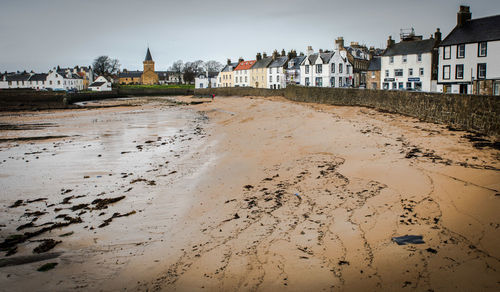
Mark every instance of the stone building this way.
pixel 373 73
pixel 149 76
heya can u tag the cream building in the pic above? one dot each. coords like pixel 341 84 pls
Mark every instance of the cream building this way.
pixel 258 74
pixel 226 75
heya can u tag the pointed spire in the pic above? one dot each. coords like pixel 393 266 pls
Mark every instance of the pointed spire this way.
pixel 148 56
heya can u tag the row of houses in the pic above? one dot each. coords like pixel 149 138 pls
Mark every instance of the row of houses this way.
pixel 466 61
pixel 57 79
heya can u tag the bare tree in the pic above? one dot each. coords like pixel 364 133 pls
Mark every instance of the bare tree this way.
pixel 213 66
pixel 177 66
pixel 104 65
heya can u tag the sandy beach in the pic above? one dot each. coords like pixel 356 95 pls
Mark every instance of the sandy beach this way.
pixel 244 194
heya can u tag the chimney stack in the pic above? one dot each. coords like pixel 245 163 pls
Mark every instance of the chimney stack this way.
pixel 264 55
pixel 229 61
pixel 371 52
pixel 275 54
pixel 240 60
pixel 283 53
pixel 258 57
pixel 309 50
pixel 339 43
pixel 390 42
pixel 437 35
pixel 463 15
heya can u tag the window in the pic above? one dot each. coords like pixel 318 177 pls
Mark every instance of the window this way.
pixel 410 72
pixel 340 68
pixel 246 78
pixel 332 82
pixel 400 85
pixel 347 69
pixel 373 74
pixel 278 78
pixel 391 60
pixel 385 85
pixel 307 81
pixel 307 69
pixel 386 73
pixel 340 81
pixel 408 84
pixel 421 71
pixel 461 51
pixel 459 71
pixel 446 72
pixel 270 78
pixel 398 72
pixel 333 67
pixel 419 58
pixel 481 70
pixel 482 49
pixel 394 85
pixel 447 52
pixel 405 58
pixel 319 81
pixel 319 68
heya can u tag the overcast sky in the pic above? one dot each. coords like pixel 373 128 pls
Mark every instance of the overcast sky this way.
pixel 40 34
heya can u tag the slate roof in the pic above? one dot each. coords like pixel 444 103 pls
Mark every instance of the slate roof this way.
pixel 263 63
pixel 279 62
pixel 229 68
pixel 17 77
pixel 411 47
pixel 325 57
pixel 39 77
pixel 97 84
pixel 375 64
pixel 296 62
pixel 475 30
pixel 245 65
pixel 148 56
pixel 130 74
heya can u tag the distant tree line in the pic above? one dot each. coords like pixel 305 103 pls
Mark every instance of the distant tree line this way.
pixel 189 70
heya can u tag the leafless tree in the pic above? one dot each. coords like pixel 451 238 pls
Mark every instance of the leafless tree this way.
pixel 213 66
pixel 177 66
pixel 104 65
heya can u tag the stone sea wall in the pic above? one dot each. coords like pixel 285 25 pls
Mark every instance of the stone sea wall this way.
pixel 476 113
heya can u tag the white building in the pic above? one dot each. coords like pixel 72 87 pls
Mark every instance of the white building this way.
pixel 100 84
pixel 329 69
pixel 469 57
pixel 242 73
pixel 15 80
pixel 62 81
pixel 410 64
pixel 206 80
pixel 276 72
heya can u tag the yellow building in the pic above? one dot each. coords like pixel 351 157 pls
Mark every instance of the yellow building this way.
pixel 258 73
pixel 149 77
pixel 226 75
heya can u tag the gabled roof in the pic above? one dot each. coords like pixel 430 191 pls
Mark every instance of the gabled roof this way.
pixel 375 64
pixel 326 57
pixel 475 30
pixel 279 62
pixel 262 63
pixel 312 58
pixel 296 62
pixel 148 56
pixel 245 65
pixel 411 47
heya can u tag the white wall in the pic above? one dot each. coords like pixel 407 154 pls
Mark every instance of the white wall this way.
pixel 412 62
pixel 276 78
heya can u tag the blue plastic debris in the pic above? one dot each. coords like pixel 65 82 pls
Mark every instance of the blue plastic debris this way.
pixel 408 239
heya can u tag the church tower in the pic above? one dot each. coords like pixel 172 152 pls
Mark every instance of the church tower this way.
pixel 149 77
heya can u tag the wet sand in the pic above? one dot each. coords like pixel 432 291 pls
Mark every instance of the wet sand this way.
pixel 249 194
